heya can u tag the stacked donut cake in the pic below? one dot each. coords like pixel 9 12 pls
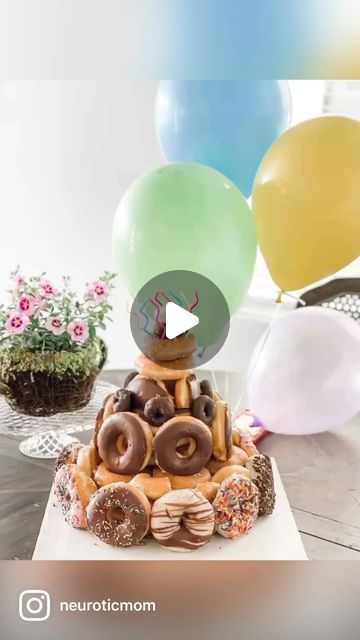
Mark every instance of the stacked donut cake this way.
pixel 164 462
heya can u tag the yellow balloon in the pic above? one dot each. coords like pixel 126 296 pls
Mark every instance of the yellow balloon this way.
pixel 306 201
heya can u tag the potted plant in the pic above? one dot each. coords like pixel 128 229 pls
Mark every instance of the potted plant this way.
pixel 50 352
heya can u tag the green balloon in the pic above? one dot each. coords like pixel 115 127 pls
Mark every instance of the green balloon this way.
pixel 188 216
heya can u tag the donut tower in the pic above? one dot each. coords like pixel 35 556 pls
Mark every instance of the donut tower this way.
pixel 164 461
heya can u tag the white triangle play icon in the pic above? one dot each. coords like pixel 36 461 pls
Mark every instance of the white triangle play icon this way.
pixel 178 320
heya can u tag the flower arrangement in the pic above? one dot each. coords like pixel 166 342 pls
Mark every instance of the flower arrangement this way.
pixel 48 336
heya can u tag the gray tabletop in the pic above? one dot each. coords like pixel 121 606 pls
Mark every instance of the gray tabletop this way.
pixel 321 475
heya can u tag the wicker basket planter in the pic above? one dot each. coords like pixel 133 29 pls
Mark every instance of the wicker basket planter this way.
pixel 39 383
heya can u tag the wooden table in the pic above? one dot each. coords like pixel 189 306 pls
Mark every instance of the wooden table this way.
pixel 321 475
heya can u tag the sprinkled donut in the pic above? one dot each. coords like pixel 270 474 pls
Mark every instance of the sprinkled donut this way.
pixel 236 506
pixel 167 439
pixel 73 488
pixel 119 515
pixel 125 443
pixel 182 520
pixel 68 455
pixel 261 474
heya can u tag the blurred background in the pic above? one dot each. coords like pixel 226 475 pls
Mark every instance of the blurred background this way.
pixel 68 151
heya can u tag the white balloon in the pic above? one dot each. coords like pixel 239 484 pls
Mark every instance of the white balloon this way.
pixel 305 376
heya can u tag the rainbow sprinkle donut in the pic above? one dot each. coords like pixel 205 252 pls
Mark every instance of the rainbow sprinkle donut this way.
pixel 236 506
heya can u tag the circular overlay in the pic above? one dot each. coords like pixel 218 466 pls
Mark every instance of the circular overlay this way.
pixel 190 292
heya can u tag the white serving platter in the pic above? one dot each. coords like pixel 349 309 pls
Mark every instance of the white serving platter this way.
pixel 273 537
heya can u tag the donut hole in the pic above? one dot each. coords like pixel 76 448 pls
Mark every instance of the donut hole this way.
pixel 116 514
pixel 185 448
pixel 122 444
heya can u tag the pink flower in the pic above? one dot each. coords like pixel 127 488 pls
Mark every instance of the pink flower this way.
pixel 46 288
pixel 97 292
pixel 40 306
pixel 18 284
pixel 26 304
pixel 54 324
pixel 17 322
pixel 78 330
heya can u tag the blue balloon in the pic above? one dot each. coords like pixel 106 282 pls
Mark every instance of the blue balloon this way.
pixel 226 124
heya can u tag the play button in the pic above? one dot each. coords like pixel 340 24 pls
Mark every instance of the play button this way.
pixel 179 319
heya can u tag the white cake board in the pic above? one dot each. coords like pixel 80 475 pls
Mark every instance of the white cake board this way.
pixel 273 537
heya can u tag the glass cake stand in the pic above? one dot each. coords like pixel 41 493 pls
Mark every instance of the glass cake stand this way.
pixel 47 436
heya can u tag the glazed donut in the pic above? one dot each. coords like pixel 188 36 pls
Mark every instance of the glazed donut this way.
pixel 166 441
pixel 208 489
pixel 224 472
pixel 261 474
pixel 119 514
pixel 73 488
pixel 68 455
pixel 98 424
pixel 236 506
pixel 163 350
pixel 86 460
pixel 203 408
pixel 103 476
pixel 151 369
pixel 158 410
pixel 221 430
pixel 152 487
pixel 125 443
pixel 182 520
pixel 238 457
pixel 184 482
pixel 182 395
pixel 247 445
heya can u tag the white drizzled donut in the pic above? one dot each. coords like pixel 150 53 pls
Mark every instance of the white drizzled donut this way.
pixel 182 520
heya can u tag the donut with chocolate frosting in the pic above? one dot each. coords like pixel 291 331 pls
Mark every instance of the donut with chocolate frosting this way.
pixel 203 408
pixel 261 474
pixel 206 388
pixel 167 439
pixel 122 400
pixel 163 350
pixel 158 410
pixel 124 443
pixel 182 520
pixel 130 376
pixel 119 515
pixel 143 389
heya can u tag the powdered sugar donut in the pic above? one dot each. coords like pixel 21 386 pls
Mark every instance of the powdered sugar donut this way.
pixel 236 506
pixel 73 488
pixel 182 520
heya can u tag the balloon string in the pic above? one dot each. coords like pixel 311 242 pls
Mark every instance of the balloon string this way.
pixel 289 295
pixel 278 302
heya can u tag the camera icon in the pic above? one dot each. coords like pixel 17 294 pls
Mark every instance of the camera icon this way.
pixel 34 605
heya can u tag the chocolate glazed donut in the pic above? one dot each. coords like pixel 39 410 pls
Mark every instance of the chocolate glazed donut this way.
pixel 119 514
pixel 138 438
pixel 143 389
pixel 166 441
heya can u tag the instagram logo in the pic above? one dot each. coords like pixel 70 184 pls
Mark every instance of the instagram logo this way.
pixel 34 605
